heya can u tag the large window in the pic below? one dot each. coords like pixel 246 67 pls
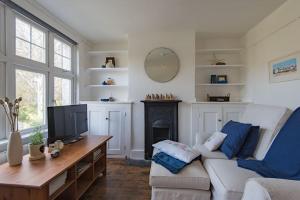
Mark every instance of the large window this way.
pixel 30 41
pixel 62 55
pixel 62 91
pixel 31 87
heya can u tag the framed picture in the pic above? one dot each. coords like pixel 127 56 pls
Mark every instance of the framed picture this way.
pixel 285 68
pixel 110 58
pixel 222 79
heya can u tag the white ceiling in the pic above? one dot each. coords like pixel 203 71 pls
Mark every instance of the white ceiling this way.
pixel 105 20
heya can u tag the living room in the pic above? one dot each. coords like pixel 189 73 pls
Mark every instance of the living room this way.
pixel 138 81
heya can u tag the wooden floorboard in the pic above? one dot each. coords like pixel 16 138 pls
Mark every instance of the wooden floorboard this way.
pixel 122 182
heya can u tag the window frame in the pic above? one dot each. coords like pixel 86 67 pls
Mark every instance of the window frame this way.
pixel 12 62
pixel 2 33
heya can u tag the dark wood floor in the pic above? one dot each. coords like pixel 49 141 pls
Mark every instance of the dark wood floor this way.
pixel 122 182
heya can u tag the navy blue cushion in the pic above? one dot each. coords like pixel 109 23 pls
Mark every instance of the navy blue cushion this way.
pixel 283 158
pixel 250 144
pixel 236 136
pixel 172 164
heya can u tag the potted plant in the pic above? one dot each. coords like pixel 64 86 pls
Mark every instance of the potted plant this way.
pixel 14 145
pixel 36 147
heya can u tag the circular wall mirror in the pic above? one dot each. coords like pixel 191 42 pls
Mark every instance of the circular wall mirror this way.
pixel 162 64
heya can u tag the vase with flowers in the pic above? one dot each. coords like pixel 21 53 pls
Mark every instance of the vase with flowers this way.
pixel 14 146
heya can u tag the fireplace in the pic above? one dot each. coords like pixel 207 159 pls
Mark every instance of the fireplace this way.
pixel 161 123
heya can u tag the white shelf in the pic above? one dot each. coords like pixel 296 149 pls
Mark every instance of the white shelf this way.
pixel 215 102
pixel 225 51
pixel 116 69
pixel 108 52
pixel 221 84
pixel 108 86
pixel 219 66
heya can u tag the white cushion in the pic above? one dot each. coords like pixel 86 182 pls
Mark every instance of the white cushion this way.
pixel 270 119
pixel 177 150
pixel 206 154
pixel 227 179
pixel 179 194
pixel 271 188
pixel 193 176
pixel 214 141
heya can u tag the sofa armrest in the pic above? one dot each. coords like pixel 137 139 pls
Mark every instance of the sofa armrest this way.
pixel 271 189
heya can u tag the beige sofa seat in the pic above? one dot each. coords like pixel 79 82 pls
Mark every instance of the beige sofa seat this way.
pixel 227 178
pixel 194 176
pixel 206 154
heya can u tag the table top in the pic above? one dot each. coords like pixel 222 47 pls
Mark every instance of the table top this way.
pixel 38 173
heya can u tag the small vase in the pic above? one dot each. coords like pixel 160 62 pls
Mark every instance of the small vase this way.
pixel 14 149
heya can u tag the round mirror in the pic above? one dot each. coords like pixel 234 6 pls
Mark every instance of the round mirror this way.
pixel 162 64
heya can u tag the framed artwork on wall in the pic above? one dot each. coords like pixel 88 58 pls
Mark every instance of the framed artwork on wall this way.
pixel 285 68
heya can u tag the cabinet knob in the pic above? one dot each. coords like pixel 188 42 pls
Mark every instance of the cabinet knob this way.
pixel 219 120
pixel 107 118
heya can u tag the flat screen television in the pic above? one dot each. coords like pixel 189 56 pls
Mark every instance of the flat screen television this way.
pixel 66 123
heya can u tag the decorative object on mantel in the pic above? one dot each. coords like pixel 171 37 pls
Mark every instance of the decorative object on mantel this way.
pixel 14 146
pixel 218 98
pixel 160 97
pixel 217 61
pixel 36 147
pixel 110 62
pixel 285 68
pixel 162 64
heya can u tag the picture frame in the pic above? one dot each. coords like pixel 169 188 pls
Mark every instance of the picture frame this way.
pixel 222 79
pixel 285 68
pixel 110 58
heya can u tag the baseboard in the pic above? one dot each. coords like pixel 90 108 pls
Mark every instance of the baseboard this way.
pixel 137 154
pixel 116 156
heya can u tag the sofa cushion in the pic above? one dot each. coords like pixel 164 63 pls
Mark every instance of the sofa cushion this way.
pixel 236 135
pixel 206 154
pixel 227 179
pixel 250 144
pixel 193 176
pixel 179 194
pixel 270 119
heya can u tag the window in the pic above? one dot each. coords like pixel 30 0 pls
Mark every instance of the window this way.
pixel 62 91
pixel 2 94
pixel 30 41
pixel 62 55
pixel 31 87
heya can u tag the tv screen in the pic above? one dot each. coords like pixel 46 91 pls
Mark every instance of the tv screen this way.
pixel 66 123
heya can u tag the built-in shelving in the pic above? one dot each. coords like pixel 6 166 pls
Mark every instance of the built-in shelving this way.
pixel 116 69
pixel 221 84
pixel 107 52
pixel 107 86
pixel 225 51
pixel 218 66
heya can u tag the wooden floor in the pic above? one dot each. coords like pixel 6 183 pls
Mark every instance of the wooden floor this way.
pixel 122 182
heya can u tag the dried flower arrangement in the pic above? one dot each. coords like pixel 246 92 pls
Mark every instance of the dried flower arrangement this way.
pixel 12 112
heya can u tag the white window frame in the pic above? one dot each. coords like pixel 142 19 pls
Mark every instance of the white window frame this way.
pixel 13 62
pixel 2 33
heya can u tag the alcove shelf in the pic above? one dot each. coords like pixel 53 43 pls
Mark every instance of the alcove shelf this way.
pixel 221 84
pixel 97 52
pixel 219 50
pixel 204 66
pixel 116 69
pixel 107 86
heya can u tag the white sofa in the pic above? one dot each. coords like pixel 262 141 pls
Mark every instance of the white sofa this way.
pixel 227 179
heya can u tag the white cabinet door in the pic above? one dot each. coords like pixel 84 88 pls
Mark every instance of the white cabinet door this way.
pixel 116 129
pixel 209 121
pixel 232 113
pixel 98 120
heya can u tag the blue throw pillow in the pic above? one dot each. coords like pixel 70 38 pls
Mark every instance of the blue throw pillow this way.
pixel 236 136
pixel 250 144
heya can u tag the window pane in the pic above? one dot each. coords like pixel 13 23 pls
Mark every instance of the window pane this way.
pixel 66 64
pixel 37 54
pixel 58 61
pixel 57 46
pixel 22 30
pixel 38 37
pixel 22 48
pixel 31 87
pixel 66 51
pixel 62 91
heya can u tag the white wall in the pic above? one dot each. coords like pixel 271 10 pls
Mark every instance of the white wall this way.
pixel 276 36
pixel 183 85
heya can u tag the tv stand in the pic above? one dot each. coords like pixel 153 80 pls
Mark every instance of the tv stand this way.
pixel 82 162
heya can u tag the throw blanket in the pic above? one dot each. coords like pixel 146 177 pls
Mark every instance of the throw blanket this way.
pixel 283 158
pixel 172 164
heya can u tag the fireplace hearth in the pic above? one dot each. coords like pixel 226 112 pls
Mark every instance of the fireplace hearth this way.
pixel 161 123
